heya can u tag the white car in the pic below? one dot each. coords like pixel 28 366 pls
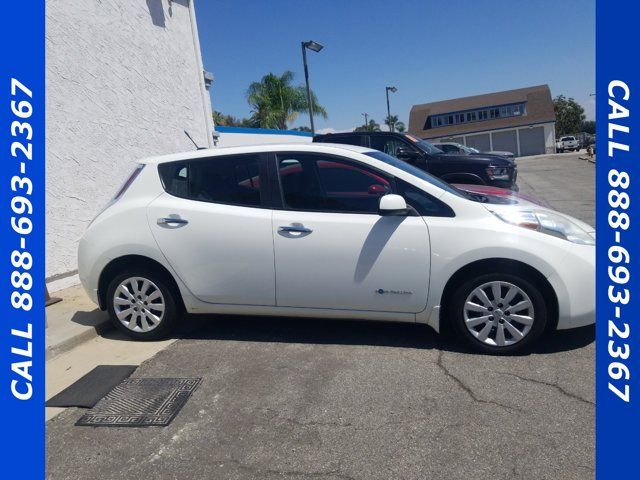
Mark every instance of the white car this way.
pixel 334 231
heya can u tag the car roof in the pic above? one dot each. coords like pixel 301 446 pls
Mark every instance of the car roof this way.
pixel 342 134
pixel 269 147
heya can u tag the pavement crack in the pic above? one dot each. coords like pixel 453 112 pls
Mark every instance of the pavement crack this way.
pixel 316 423
pixel 296 473
pixel 550 384
pixel 469 390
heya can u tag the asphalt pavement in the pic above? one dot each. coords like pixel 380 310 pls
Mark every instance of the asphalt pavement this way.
pixel 318 399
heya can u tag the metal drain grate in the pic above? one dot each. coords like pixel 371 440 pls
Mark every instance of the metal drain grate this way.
pixel 141 402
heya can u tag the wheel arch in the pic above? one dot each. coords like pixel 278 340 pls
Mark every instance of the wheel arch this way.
pixel 501 265
pixel 121 264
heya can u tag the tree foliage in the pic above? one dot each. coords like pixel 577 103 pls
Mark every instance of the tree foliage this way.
pixel 569 115
pixel 589 126
pixel 221 119
pixel 372 126
pixel 398 126
pixel 275 102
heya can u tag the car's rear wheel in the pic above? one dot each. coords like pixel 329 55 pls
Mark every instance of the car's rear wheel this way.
pixel 141 304
pixel 498 313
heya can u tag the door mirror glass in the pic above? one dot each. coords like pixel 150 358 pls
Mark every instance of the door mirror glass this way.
pixel 392 205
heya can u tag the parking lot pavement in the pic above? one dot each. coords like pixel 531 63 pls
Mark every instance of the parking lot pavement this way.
pixel 300 398
pixel 564 181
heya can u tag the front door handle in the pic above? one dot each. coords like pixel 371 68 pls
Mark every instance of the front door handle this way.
pixel 170 220
pixel 295 229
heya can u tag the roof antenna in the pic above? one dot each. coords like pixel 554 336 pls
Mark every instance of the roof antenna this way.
pixel 193 141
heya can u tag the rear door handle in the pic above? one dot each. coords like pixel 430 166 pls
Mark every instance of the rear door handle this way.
pixel 295 229
pixel 169 220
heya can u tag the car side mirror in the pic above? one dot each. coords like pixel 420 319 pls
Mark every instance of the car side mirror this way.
pixel 407 154
pixel 392 205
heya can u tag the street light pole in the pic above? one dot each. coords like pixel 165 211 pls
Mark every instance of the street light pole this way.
pixel 316 47
pixel 393 89
pixel 366 119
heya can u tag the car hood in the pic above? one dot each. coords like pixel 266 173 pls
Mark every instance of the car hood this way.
pixel 495 160
pixel 497 195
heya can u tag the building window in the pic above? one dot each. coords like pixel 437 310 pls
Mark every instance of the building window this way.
pixel 476 115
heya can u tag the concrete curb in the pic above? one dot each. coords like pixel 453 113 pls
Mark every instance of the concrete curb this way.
pixel 73 341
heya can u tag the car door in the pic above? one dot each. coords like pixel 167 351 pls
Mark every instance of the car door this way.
pixel 212 225
pixel 333 250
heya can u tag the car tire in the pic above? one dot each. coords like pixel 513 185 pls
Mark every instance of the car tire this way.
pixel 142 305
pixel 503 332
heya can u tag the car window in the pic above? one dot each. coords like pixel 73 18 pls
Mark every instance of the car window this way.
pixel 231 180
pixel 389 145
pixel 416 172
pixel 425 204
pixel 448 148
pixel 323 183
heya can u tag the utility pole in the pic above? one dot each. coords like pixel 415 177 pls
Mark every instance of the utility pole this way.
pixel 394 90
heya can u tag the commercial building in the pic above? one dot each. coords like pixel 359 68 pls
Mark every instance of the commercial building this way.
pixel 124 81
pixel 521 121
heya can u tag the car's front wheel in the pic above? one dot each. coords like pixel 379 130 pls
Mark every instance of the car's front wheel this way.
pixel 498 313
pixel 141 304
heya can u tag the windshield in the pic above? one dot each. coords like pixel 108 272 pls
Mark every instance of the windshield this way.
pixel 416 172
pixel 424 145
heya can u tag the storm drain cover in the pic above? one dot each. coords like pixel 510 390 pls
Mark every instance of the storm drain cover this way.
pixel 141 402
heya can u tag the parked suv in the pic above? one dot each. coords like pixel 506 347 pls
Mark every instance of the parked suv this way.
pixel 332 231
pixel 481 169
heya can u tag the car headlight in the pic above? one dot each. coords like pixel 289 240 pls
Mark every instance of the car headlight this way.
pixel 498 173
pixel 547 222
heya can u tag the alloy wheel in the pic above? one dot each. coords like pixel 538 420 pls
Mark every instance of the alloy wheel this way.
pixel 139 304
pixel 498 313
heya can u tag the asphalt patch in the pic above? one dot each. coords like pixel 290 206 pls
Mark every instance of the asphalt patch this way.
pixel 141 402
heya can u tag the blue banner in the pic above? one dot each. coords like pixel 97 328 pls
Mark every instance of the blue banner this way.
pixel 618 243
pixel 22 184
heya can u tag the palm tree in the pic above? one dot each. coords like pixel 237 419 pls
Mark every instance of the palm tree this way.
pixel 275 102
pixel 397 125
pixel 372 126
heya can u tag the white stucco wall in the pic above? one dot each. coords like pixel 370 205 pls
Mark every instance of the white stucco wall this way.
pixel 124 79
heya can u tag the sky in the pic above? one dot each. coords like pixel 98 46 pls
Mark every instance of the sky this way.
pixel 429 49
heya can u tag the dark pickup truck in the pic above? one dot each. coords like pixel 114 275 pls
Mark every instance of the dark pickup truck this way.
pixel 480 169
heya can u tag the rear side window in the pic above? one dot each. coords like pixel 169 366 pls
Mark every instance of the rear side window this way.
pixel 231 180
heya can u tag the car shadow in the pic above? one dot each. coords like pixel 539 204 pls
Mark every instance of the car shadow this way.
pixel 93 318
pixel 350 332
